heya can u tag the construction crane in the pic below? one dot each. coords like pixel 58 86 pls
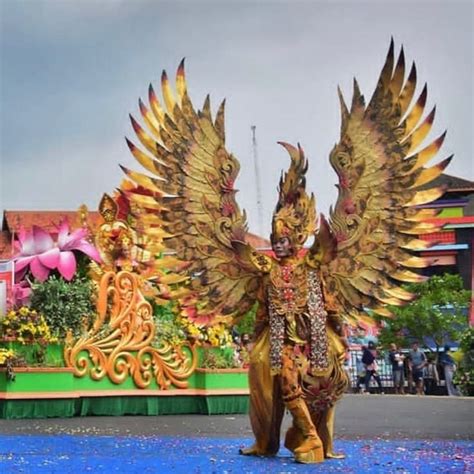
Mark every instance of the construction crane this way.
pixel 258 183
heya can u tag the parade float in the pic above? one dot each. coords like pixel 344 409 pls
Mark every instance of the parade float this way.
pixel 100 323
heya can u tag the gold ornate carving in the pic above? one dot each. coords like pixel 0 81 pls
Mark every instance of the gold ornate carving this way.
pixel 120 343
pixel 115 239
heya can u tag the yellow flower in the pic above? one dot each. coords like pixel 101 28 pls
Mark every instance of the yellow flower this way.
pixel 5 354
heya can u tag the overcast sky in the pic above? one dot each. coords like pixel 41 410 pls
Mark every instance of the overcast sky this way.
pixel 71 71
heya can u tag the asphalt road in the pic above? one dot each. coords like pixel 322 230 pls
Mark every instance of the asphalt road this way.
pixel 357 416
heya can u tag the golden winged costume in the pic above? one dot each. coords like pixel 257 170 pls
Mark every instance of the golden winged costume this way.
pixel 358 260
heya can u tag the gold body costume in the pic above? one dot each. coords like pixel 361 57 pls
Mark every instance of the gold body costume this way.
pixel 358 260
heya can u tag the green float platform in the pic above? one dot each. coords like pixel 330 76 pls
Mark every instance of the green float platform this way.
pixel 56 392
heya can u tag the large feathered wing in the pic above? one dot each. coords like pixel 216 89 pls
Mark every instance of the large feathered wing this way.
pixel 193 198
pixel 366 250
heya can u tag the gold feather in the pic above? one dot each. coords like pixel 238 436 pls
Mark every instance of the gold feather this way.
pixel 416 112
pixel 429 174
pixel 429 152
pixel 149 120
pixel 424 197
pixel 408 91
pixel 193 209
pixel 375 219
pixel 421 131
pixel 168 95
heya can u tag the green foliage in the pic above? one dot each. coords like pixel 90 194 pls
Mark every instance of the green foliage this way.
pixel 65 305
pixel 466 341
pixel 439 312
pixel 464 375
pixel 247 324
pixel 167 329
pixel 213 358
pixel 164 312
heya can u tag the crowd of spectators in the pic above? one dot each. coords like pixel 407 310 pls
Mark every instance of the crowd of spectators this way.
pixel 412 372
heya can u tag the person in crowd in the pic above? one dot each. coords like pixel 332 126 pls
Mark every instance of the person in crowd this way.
pixel 431 377
pixel 236 346
pixel 396 359
pixel 417 364
pixel 449 367
pixel 408 375
pixel 360 368
pixel 369 359
pixel 245 350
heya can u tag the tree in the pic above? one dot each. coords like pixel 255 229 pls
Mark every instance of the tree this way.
pixel 438 312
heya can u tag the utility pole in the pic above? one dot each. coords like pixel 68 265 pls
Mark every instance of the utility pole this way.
pixel 258 183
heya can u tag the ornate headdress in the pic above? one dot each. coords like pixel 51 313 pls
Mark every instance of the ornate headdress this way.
pixel 295 213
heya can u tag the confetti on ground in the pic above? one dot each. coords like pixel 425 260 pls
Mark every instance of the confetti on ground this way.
pixel 104 454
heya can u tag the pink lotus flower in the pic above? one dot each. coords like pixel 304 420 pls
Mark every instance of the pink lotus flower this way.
pixel 41 254
pixel 21 293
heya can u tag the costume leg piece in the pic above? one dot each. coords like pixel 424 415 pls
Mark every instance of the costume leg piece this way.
pixel 325 426
pixel 302 437
pixel 266 405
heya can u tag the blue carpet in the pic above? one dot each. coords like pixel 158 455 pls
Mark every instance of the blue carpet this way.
pixel 104 454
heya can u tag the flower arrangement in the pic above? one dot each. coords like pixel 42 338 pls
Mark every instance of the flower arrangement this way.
pixel 207 327
pixel 167 329
pixel 174 327
pixel 224 359
pixel 7 359
pixel 5 355
pixel 67 306
pixel 26 326
pixel 217 335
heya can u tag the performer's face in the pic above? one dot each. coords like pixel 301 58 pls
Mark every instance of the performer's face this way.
pixel 282 247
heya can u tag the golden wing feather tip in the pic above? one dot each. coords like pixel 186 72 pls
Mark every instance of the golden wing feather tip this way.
pixel 417 111
pixel 428 152
pixel 429 174
pixel 167 93
pixel 424 197
pixel 181 80
pixel 142 180
pixel 418 135
pixel 408 276
pixel 408 91
pixel 155 105
pixel 148 142
pixel 382 311
pixel 418 244
pixel 398 75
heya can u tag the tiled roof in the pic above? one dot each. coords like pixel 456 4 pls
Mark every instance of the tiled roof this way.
pixel 453 183
pixel 48 220
pixel 5 245
pixel 257 242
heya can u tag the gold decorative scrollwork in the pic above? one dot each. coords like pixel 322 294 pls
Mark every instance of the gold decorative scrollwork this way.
pixel 120 343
